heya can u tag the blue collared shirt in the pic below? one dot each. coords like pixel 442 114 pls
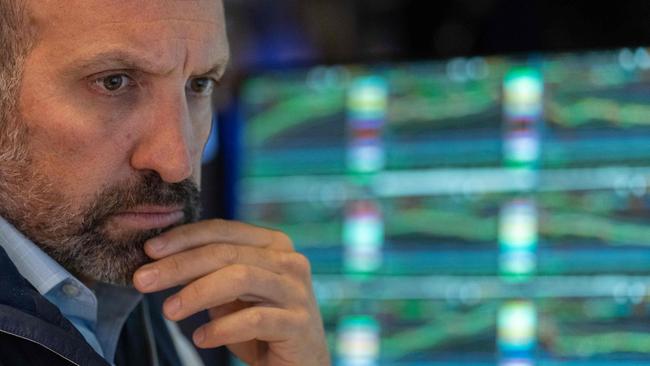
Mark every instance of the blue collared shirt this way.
pixel 99 315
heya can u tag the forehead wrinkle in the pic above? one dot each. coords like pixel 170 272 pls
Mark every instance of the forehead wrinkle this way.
pixel 123 59
pixel 216 62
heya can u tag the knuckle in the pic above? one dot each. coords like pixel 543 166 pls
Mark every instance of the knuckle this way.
pixel 303 319
pixel 299 264
pixel 302 296
pixel 283 239
pixel 216 222
pixel 297 323
pixel 255 319
pixel 213 251
pixel 214 332
pixel 285 260
pixel 223 228
pixel 175 264
pixel 228 254
pixel 194 291
pixel 242 276
pixel 211 331
pixel 185 231
pixel 183 234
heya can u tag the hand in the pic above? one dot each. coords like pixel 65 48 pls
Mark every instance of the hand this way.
pixel 256 288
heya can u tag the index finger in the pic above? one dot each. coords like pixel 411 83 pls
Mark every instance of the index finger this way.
pixel 216 231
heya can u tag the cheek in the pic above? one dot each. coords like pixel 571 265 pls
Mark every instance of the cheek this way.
pixel 78 155
pixel 65 137
pixel 68 124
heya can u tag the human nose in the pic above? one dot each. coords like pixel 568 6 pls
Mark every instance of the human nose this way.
pixel 166 146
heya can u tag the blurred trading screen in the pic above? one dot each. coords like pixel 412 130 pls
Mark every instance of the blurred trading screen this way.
pixel 478 211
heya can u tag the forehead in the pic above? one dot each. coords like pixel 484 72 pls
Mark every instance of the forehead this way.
pixel 166 30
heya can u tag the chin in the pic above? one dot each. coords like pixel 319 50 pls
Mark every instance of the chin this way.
pixel 110 258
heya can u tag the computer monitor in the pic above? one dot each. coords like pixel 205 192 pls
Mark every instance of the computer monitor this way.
pixel 478 211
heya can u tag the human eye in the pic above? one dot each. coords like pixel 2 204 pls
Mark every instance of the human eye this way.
pixel 201 86
pixel 112 84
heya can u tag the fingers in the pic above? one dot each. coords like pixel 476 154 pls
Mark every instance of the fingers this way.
pixel 257 288
pixel 181 268
pixel 216 231
pixel 186 266
pixel 223 310
pixel 236 282
pixel 262 323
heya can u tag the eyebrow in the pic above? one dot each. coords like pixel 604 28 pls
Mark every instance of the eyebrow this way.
pixel 217 70
pixel 120 59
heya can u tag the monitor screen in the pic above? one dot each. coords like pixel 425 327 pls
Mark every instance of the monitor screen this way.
pixel 478 211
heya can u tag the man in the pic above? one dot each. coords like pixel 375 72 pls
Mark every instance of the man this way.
pixel 105 106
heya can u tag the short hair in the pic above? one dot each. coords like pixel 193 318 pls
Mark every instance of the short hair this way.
pixel 15 43
pixel 17 38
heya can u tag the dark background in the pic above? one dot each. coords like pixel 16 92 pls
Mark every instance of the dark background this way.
pixel 266 33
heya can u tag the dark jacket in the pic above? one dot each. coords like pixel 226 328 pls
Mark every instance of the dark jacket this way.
pixel 33 332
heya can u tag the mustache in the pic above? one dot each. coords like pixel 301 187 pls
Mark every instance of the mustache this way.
pixel 149 189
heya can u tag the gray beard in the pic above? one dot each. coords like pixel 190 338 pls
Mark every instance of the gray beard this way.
pixel 92 255
pixel 83 241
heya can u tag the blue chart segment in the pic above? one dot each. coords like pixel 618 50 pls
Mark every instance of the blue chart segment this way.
pixel 479 211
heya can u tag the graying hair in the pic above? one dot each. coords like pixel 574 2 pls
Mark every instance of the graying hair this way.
pixel 16 40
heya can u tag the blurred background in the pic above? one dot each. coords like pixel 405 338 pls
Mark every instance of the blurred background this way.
pixel 468 178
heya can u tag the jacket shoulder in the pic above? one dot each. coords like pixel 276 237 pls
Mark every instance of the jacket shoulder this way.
pixel 18 351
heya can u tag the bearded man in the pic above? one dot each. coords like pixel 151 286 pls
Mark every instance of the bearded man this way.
pixel 105 107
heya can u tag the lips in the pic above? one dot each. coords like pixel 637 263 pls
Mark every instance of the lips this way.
pixel 149 217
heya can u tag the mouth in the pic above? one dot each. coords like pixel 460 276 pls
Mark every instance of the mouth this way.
pixel 149 217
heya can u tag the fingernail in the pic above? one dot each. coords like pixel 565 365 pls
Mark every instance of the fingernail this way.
pixel 147 277
pixel 173 305
pixel 156 245
pixel 199 336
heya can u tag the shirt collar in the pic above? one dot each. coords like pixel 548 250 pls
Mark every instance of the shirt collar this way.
pixel 48 277
pixel 76 301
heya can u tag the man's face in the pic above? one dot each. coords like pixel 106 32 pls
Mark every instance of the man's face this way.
pixel 115 106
